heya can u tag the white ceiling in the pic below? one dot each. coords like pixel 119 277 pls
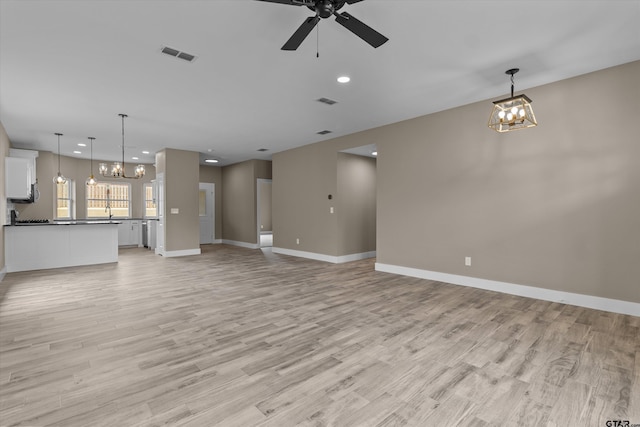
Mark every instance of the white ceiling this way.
pixel 72 66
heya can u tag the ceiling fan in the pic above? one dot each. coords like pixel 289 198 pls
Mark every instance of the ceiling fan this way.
pixel 325 9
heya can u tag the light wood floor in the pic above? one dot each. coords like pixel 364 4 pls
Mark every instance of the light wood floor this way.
pixel 238 337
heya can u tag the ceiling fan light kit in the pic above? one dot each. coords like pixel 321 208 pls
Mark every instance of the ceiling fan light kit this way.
pixel 325 9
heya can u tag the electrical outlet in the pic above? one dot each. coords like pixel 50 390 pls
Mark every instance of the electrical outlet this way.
pixel 467 261
pixel 297 241
pixel 331 209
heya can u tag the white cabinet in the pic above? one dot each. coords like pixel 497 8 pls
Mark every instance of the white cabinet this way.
pixel 18 174
pixel 129 232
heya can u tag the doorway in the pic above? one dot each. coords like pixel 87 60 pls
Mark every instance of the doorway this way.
pixel 207 213
pixel 264 223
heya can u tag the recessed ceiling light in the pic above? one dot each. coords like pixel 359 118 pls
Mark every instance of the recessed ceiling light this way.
pixel 210 150
pixel 81 144
pixel 77 152
pixel 145 152
pixel 134 158
pixel 374 153
pixel 344 79
pixel 211 161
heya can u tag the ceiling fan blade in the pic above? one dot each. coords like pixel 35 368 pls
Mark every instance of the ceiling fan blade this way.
pixel 289 2
pixel 361 30
pixel 301 33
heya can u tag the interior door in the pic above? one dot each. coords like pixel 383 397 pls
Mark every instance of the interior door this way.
pixel 207 213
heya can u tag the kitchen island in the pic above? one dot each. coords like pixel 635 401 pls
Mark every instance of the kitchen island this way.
pixel 60 244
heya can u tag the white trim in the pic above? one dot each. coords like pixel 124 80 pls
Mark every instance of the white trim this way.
pixel 322 257
pixel 217 241
pixel 581 300
pixel 356 257
pixel 184 252
pixel 3 272
pixel 241 244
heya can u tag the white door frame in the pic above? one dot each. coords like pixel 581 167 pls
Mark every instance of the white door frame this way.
pixel 210 189
pixel 258 213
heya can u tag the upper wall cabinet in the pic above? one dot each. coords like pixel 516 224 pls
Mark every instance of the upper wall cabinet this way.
pixel 20 176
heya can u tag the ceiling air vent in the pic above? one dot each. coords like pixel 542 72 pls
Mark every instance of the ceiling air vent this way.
pixel 178 54
pixel 263 149
pixel 327 101
pixel 323 132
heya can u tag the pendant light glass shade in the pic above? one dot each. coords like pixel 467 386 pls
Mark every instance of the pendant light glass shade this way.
pixel 91 181
pixel 512 113
pixel 59 179
pixel 117 169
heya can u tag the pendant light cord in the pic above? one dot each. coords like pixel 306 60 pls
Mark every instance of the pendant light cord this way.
pixel 59 135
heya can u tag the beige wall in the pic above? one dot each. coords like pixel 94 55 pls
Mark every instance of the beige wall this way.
pixel 556 206
pixel 239 199
pixel 213 174
pixel 4 152
pixel 265 206
pixel 356 204
pixel 77 170
pixel 181 182
pixel 303 178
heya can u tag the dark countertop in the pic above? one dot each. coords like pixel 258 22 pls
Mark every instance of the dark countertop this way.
pixel 78 222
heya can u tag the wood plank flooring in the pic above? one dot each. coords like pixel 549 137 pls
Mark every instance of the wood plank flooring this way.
pixel 241 337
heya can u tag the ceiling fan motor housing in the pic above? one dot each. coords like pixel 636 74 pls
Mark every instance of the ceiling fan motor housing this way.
pixel 324 8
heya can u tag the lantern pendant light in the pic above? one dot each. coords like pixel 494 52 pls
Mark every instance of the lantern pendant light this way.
pixel 59 179
pixel 512 113
pixel 91 181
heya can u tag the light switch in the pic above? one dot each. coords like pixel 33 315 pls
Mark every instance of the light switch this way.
pixel 175 210
pixel 331 209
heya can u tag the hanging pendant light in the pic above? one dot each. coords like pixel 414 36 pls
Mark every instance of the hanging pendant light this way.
pixel 117 169
pixel 91 181
pixel 59 179
pixel 512 113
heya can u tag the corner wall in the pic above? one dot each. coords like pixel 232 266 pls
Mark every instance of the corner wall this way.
pixel 239 201
pixel 181 186
pixel 4 152
pixel 553 208
pixel 356 205
pixel 213 175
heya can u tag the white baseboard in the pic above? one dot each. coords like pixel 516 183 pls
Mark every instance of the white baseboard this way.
pixel 3 272
pixel 217 241
pixel 185 252
pixel 323 257
pixel 241 244
pixel 581 300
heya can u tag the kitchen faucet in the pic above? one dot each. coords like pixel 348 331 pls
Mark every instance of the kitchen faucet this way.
pixel 108 203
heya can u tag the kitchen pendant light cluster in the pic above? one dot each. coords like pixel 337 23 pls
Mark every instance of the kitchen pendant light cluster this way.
pixel 59 179
pixel 512 113
pixel 117 169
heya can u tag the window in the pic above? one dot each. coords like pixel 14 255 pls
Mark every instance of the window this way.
pixel 65 193
pixel 105 198
pixel 150 208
